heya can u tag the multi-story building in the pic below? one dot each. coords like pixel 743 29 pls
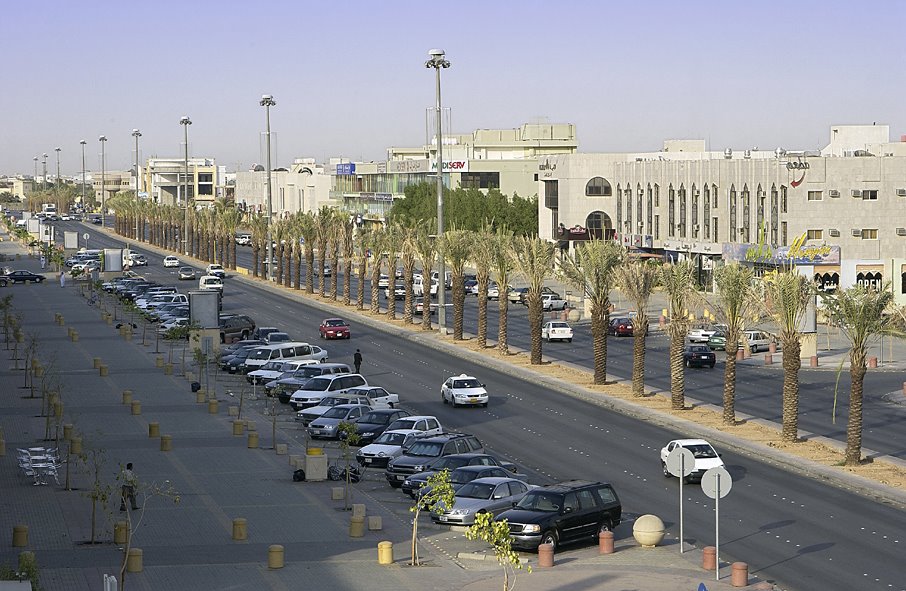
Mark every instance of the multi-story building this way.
pixel 114 182
pixel 305 186
pixel 841 211
pixel 19 187
pixel 166 180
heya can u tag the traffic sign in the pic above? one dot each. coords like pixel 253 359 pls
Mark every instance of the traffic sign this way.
pixel 680 462
pixel 717 481
pixel 86 236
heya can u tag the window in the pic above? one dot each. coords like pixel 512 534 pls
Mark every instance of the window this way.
pixel 774 215
pixel 480 180
pixel 551 195
pixel 595 224
pixel 638 208
pixel 870 195
pixel 671 211
pixel 715 228
pixel 783 203
pixel 694 212
pixel 783 234
pixel 619 211
pixel 657 227
pixel 869 234
pixel 628 210
pixel 682 211
pixel 205 177
pixel 814 235
pixel 732 231
pixel 746 214
pixel 650 208
pixel 706 213
pixel 598 187
pixel 815 196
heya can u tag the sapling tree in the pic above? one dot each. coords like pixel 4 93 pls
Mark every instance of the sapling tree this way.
pixel 436 491
pixel 497 534
pixel 346 431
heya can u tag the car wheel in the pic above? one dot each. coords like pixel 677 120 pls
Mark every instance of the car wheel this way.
pixel 666 471
pixel 549 537
pixel 688 363
pixel 711 366
pixel 443 398
pixel 606 525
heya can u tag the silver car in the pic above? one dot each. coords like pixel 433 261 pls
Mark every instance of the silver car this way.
pixel 492 495
pixel 328 424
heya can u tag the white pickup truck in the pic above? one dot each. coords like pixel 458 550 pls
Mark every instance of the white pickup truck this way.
pixel 550 302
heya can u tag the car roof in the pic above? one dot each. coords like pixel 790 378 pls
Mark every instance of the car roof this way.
pixel 495 480
pixel 418 417
pixel 568 485
pixel 685 442
pixel 387 411
pixel 405 431
pixel 476 468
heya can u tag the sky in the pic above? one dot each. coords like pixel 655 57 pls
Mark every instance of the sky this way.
pixel 349 77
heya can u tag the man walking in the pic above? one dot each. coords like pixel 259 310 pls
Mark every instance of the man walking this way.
pixel 357 361
pixel 62 278
pixel 128 491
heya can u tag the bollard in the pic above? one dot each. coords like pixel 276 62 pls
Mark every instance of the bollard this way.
pixel 168 369
pixel 356 526
pixel 772 348
pixel 75 445
pixel 201 396
pixel 250 425
pixel 275 556
pixel 385 552
pixel 136 407
pixel 873 362
pixel 281 449
pixel 294 460
pixel 67 431
pixel 709 558
pixel 375 523
pixel 253 440
pixel 545 556
pixel 358 510
pixel 96 362
pixel 20 536
pixel 166 443
pixel 662 322
pixel 605 542
pixel 337 493
pixel 102 370
pixel 2 448
pixel 240 531
pixel 768 360
pixel 813 361
pixel 904 388
pixel 74 336
pixel 134 560
pixel 233 410
pixel 739 576
pixel 238 428
pixel 120 532
pixel 153 429
pixel 740 354
pixel 127 396
pixel 212 407
pixel 39 370
pixel 159 361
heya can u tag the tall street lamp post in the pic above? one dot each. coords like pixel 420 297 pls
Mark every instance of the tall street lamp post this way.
pixel 136 134
pixel 44 173
pixel 83 142
pixel 103 140
pixel 267 101
pixel 35 178
pixel 186 122
pixel 56 187
pixel 438 62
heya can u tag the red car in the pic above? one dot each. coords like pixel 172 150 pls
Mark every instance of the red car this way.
pixel 334 328
pixel 620 327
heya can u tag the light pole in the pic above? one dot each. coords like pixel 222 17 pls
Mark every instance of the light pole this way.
pixel 35 178
pixel 103 140
pixel 267 101
pixel 186 122
pixel 56 186
pixel 136 134
pixel 438 62
pixel 83 142
pixel 44 173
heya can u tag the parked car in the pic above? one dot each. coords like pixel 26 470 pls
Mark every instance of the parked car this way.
pixel 428 424
pixel 383 281
pixel 420 307
pixel 544 290
pixel 461 476
pixel 236 327
pixel 454 462
pixel 422 452
pixel 327 425
pixel 557 330
pixel 620 327
pixel 171 261
pixel 185 273
pixel 550 302
pixel 698 356
pixel 516 294
pixel 387 446
pixel 277 337
pixel 377 397
pixel 334 328
pixel 138 260
pixel 757 340
pixel 703 453
pixel 371 424
pixel 261 332
pixel 244 239
pixel 307 415
pixel 483 495
pixel 21 276
pixel 718 341
pixel 285 386
pixel 273 370
pixel 570 511
pixel 318 387
pixel 494 291
pixel 463 390
pixel 702 334
pixel 288 351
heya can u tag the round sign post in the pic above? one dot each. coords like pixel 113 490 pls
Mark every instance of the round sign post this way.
pixel 716 484
pixel 680 462
pixel 86 236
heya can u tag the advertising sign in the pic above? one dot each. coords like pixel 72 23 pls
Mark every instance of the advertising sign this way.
pixel 345 168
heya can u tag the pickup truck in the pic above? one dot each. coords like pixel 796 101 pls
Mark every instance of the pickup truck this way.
pixel 551 301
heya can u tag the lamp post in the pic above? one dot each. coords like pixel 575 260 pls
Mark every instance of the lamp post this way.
pixel 438 62
pixel 56 186
pixel 186 122
pixel 267 101
pixel 83 142
pixel 44 173
pixel 35 178
pixel 103 140
pixel 136 134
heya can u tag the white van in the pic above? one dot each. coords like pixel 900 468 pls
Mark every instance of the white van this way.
pixel 210 282
pixel 293 351
pixel 317 388
pixel 418 286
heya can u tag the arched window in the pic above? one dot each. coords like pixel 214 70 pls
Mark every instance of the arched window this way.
pixel 746 214
pixel 628 193
pixel 694 212
pixel 671 211
pixel 619 211
pixel 706 213
pixel 598 187
pixel 734 233
pixel 775 219
pixel 682 211
pixel 638 209
pixel 650 209
pixel 597 223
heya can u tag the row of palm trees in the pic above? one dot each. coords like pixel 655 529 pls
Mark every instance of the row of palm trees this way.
pixel 595 268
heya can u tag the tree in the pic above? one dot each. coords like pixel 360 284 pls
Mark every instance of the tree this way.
pixel 737 300
pixel 787 295
pixel 308 230
pixel 590 268
pixel 497 534
pixel 678 280
pixel 483 257
pixel 408 258
pixel 426 248
pixel 348 242
pixel 534 260
pixel 637 280
pixel 258 227
pixel 348 437
pixel 324 233
pixel 863 314
pixel 439 491
pixel 456 246
pixel 394 237
pixel 376 241
pixel 144 493
pixel 501 267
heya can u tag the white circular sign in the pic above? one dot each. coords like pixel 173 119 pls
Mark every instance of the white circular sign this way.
pixel 716 482
pixel 86 236
pixel 680 462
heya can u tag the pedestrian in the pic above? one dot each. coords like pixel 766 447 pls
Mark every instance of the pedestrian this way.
pixel 62 278
pixel 43 261
pixel 357 361
pixel 128 491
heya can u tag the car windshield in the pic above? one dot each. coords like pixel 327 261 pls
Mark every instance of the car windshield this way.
pixel 261 354
pixel 331 401
pixel 272 365
pixel 307 372
pixel 469 383
pixel 278 337
pixel 449 463
pixel 387 438
pixel 336 322
pixel 473 490
pixel 317 384
pixel 336 413
pixel 540 502
pixel 699 349
pixel 462 476
pixel 559 325
pixel 702 450
pixel 425 448
pixel 376 418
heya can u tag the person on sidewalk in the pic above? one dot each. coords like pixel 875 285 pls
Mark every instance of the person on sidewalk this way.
pixel 357 361
pixel 43 262
pixel 62 278
pixel 128 492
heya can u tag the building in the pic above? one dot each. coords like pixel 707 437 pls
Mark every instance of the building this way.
pixel 304 186
pixel 840 211
pixel 19 187
pixel 114 182
pixel 166 181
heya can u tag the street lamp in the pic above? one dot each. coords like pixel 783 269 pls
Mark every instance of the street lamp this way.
pixel 56 187
pixel 267 101
pixel 438 62
pixel 136 134
pixel 83 142
pixel 35 178
pixel 186 122
pixel 44 173
pixel 103 140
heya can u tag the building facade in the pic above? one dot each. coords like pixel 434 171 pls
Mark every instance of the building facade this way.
pixel 166 180
pixel 304 186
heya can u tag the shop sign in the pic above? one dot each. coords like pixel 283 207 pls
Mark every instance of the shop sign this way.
pixel 546 168
pixel 407 166
pixel 797 253
pixel 345 168
pixel 452 165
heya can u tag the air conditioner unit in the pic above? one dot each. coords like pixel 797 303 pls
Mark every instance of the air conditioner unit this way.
pixel 901 192
pixel 856 232
pixel 834 232
pixel 856 193
pixel 834 193
pixel 901 231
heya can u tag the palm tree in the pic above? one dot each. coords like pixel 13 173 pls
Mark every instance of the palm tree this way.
pixel 363 245
pixel 862 314
pixel 483 257
pixel 308 229
pixel 737 300
pixel 636 280
pixel 678 280
pixel 394 237
pixel 376 242
pixel 230 219
pixel 590 268
pixel 456 246
pixel 324 232
pixel 501 268
pixel 278 235
pixel 408 258
pixel 426 247
pixel 348 242
pixel 534 259
pixel 787 295
pixel 258 228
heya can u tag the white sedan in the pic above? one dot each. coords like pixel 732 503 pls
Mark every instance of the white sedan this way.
pixel 557 330
pixel 701 335
pixel 464 390
pixel 171 261
pixel 704 454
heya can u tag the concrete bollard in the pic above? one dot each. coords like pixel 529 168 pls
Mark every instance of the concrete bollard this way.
pixel 166 443
pixel 96 362
pixel 39 370
pixel 337 493
pixel 356 527
pixel 358 510
pixel 813 361
pixel 238 428
pixel 159 361
pixel 772 348
pixel 154 429
pixel 127 396
pixel 74 336
pixel 250 425
pixel 768 359
pixel 201 396
pixel 136 407
pixel 739 576
pixel 233 411
pixel 20 536
pixel 709 558
pixel 740 354
pixel 873 362
pixel 281 449
pixel 168 369
pixel 605 542
pixel 103 371
pixel 375 523
pixel 120 532
pixel 904 388
pixel 294 460
pixel 240 531
pixel 662 322
pixel 253 440
pixel 75 445
pixel 2 448
pixel 275 556
pixel 134 560
pixel 213 406
pixel 385 552
pixel 545 555
pixel 67 431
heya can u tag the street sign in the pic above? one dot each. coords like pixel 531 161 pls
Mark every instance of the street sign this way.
pixel 717 482
pixel 680 462
pixel 86 235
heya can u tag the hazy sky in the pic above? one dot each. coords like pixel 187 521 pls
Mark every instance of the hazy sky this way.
pixel 349 76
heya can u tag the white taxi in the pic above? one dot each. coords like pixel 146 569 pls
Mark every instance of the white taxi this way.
pixel 557 330
pixel 464 390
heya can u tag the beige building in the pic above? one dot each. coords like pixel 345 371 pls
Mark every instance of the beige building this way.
pixel 114 181
pixel 305 186
pixel 166 181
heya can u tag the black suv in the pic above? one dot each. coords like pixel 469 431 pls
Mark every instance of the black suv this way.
pixel 569 511
pixel 235 327
pixel 423 451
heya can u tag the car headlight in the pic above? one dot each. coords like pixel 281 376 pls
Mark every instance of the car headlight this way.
pixel 531 528
pixel 367 434
pixel 420 467
pixel 407 482
pixel 381 454
pixel 460 511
